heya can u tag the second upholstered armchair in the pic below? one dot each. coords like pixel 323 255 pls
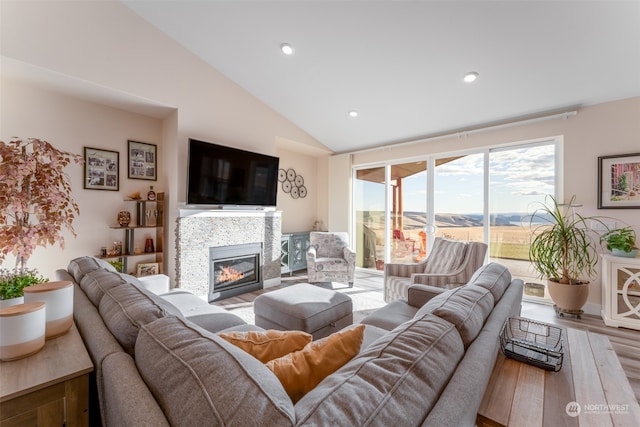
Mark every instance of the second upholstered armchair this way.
pixel 450 264
pixel 329 258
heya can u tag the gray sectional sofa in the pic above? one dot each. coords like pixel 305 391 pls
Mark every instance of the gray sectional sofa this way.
pixel 158 360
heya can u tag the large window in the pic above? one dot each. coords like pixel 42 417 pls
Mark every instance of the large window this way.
pixel 473 196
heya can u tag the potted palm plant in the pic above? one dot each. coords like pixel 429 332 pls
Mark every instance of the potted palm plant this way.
pixel 621 242
pixel 564 252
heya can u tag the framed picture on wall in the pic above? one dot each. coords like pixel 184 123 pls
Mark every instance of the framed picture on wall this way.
pixel 619 181
pixel 101 169
pixel 143 161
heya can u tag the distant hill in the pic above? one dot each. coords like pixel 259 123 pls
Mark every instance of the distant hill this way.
pixel 415 220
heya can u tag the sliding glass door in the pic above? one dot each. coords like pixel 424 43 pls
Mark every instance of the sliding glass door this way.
pixel 482 196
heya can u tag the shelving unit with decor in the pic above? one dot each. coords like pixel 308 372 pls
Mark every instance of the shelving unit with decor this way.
pixel 149 214
pixel 294 247
pixel 621 291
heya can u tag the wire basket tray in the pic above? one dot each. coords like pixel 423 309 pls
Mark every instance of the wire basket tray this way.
pixel 536 343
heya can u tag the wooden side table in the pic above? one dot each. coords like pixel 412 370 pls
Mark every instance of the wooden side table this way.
pixel 48 388
pixel 591 389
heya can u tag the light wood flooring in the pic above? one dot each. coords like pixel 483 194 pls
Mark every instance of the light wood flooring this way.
pixel 625 342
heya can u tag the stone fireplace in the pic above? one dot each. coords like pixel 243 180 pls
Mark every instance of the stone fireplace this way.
pixel 199 232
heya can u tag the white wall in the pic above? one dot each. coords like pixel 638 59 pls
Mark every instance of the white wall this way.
pixel 598 130
pixel 106 44
pixel 71 124
pixel 299 214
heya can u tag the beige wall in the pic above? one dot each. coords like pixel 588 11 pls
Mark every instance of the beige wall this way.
pixel 598 130
pixel 71 124
pixel 105 45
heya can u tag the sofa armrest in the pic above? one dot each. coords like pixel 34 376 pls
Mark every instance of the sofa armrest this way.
pixel 403 270
pixel 419 295
pixel 156 283
pixel 349 255
pixel 311 254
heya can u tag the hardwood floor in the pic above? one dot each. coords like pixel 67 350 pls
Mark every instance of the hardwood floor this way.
pixel 625 342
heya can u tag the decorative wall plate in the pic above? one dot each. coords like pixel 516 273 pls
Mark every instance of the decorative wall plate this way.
pixel 292 183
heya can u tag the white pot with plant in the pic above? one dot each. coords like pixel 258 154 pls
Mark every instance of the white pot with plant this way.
pixel 564 252
pixel 36 206
pixel 621 242
pixel 12 284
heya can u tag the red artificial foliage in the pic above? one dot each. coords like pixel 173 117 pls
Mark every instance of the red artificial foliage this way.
pixel 35 197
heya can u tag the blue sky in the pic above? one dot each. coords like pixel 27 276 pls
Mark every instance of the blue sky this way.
pixel 518 178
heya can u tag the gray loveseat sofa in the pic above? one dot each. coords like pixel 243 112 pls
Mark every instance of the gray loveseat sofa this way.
pixel 158 360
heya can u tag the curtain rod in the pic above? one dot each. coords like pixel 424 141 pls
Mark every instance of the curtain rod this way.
pixel 464 133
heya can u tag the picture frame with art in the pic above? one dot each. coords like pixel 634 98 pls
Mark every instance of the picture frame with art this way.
pixel 143 161
pixel 619 181
pixel 147 269
pixel 101 169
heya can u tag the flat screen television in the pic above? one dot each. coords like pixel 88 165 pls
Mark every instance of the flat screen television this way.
pixel 220 175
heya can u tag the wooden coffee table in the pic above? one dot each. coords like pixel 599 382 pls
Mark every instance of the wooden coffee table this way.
pixel 591 389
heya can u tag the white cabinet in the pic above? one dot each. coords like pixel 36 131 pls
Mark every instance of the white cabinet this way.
pixel 621 291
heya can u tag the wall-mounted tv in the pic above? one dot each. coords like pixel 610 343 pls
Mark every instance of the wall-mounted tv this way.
pixel 220 175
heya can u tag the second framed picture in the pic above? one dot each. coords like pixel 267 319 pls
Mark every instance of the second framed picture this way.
pixel 143 161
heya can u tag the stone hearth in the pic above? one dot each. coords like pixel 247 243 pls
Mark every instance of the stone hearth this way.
pixel 199 230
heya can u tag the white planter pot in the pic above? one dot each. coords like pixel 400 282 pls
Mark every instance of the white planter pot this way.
pixel 22 329
pixel 4 303
pixel 59 299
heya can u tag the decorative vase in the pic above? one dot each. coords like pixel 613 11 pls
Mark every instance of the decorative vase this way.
pixel 568 298
pixel 619 252
pixel 124 218
pixel 59 299
pixel 148 246
pixel 4 303
pixel 22 330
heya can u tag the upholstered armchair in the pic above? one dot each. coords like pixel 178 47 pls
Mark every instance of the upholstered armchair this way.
pixel 450 264
pixel 329 258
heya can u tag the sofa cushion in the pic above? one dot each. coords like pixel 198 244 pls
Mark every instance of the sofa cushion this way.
pixel 467 307
pixel 268 345
pixel 200 379
pixel 391 315
pixel 396 380
pixel 445 256
pixel 302 370
pixel 124 309
pixel 95 283
pixel 78 267
pixel 494 277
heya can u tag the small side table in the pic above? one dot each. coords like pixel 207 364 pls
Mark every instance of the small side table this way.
pixel 50 387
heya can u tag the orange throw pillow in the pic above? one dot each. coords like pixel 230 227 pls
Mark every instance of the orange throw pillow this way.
pixel 300 371
pixel 267 345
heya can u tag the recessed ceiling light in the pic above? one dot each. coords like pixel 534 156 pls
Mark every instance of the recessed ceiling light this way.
pixel 286 48
pixel 470 77
pixel 353 113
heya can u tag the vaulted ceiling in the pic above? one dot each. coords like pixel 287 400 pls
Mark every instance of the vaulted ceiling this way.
pixel 400 64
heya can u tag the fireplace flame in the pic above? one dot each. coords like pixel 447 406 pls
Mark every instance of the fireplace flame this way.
pixel 229 274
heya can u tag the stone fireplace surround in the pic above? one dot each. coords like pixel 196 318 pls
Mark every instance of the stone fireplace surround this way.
pixel 198 230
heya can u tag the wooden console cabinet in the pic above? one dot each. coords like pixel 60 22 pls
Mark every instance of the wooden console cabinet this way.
pixel 49 388
pixel 621 291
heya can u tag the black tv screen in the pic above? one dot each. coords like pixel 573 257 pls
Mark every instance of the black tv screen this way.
pixel 220 175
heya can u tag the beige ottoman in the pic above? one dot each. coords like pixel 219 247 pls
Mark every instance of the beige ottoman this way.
pixel 304 307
